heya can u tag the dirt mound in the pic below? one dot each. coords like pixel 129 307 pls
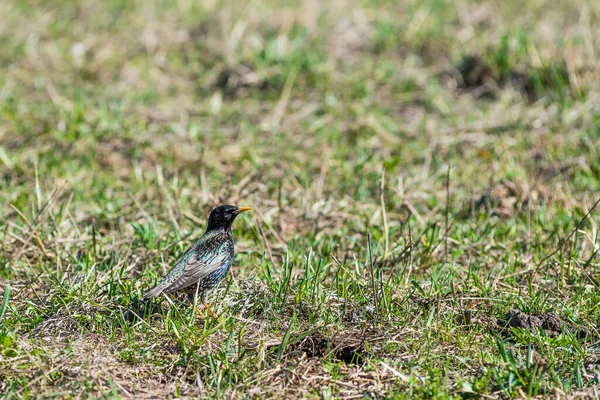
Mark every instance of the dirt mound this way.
pixel 318 346
pixel 550 323
pixel 478 76
pixel 507 198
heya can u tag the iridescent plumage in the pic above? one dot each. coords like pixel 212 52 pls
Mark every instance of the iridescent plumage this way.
pixel 207 261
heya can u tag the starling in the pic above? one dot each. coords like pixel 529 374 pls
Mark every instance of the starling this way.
pixel 207 261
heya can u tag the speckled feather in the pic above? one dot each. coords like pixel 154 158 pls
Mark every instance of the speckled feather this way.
pixel 207 261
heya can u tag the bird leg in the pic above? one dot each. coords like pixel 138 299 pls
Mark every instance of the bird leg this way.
pixel 191 298
pixel 210 310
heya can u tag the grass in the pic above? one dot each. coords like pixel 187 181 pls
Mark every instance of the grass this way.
pixel 424 177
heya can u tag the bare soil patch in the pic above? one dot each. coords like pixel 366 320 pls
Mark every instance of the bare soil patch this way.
pixel 550 323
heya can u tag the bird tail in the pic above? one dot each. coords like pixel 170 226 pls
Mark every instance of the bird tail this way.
pixel 157 291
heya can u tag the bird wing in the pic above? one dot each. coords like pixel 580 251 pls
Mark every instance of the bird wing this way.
pixel 196 263
pixel 195 270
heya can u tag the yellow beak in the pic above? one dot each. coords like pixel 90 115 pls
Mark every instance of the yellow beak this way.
pixel 244 209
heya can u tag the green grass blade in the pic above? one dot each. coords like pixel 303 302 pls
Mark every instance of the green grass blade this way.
pixel 4 302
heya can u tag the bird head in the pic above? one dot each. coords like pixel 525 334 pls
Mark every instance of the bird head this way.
pixel 222 217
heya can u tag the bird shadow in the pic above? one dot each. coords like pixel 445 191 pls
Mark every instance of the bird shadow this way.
pixel 145 309
pixel 141 310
